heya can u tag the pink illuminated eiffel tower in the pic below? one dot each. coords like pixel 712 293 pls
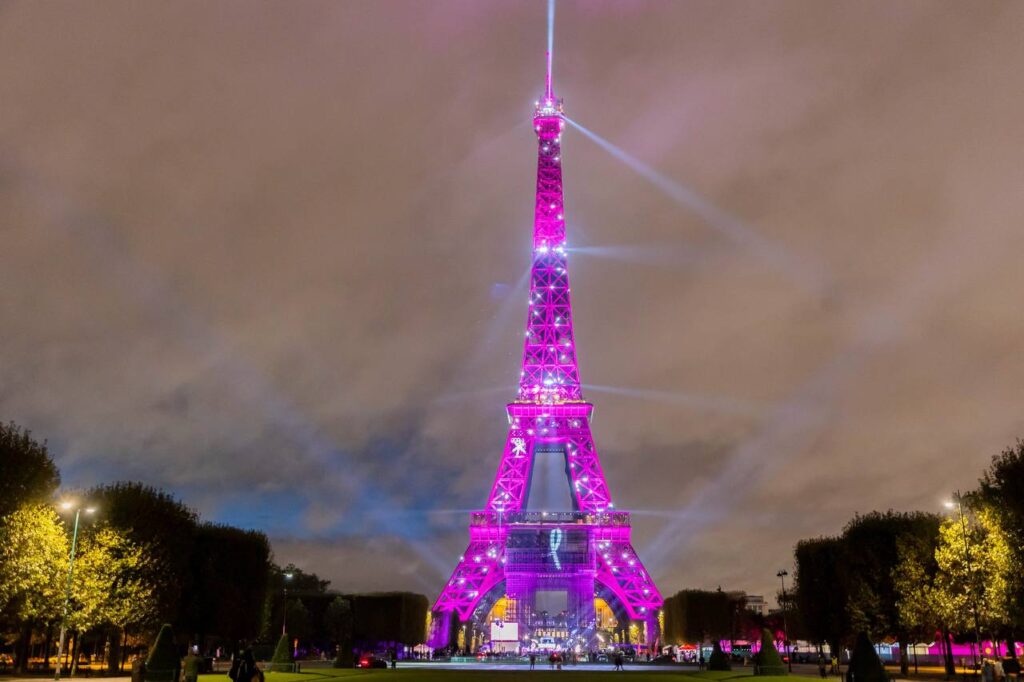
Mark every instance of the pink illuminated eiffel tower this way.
pixel 516 549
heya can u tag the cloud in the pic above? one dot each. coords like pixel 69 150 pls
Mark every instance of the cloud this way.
pixel 271 258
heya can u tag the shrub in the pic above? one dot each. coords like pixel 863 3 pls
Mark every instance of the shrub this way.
pixel 767 660
pixel 163 664
pixel 718 660
pixel 281 662
pixel 865 665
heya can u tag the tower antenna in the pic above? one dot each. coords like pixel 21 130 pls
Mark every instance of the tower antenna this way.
pixel 548 89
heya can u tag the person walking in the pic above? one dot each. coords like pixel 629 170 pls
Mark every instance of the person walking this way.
pixel 821 666
pixel 138 669
pixel 236 661
pixel 247 670
pixel 988 671
pixel 533 661
pixel 700 661
pixel 192 664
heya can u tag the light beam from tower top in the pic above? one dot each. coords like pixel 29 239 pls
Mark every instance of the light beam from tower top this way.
pixel 549 105
pixel 548 94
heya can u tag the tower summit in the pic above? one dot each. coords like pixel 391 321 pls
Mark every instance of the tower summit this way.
pixel 535 577
pixel 550 374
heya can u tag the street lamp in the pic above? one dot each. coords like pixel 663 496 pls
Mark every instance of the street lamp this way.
pixel 68 506
pixel 284 619
pixel 781 575
pixel 957 502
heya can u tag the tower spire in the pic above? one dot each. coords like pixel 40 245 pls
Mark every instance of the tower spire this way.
pixel 550 373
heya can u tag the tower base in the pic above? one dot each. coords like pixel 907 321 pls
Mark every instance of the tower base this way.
pixel 546 581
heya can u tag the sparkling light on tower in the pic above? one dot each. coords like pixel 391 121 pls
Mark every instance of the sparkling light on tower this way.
pixel 515 548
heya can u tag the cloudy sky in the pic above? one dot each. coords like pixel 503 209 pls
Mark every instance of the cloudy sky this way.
pixel 271 256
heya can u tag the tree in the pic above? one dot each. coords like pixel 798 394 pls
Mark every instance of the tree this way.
pixel 301 584
pixel 696 615
pixel 917 603
pixel 767 660
pixel 111 586
pixel 29 474
pixel 393 617
pixel 163 663
pixel 282 659
pixel 820 594
pixel 298 619
pixel 90 596
pixel 338 621
pixel 871 557
pixel 974 561
pixel 155 520
pixel 718 660
pixel 33 569
pixel 229 570
pixel 865 666
pixel 1001 490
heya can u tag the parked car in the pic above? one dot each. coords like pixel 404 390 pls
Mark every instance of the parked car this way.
pixel 371 661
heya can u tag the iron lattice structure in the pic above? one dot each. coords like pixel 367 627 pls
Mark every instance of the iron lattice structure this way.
pixel 549 412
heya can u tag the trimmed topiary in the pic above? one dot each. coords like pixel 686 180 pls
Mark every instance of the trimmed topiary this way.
pixel 767 660
pixel 281 662
pixel 718 660
pixel 163 663
pixel 865 666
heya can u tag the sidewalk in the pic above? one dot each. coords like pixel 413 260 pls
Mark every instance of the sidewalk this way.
pixel 63 678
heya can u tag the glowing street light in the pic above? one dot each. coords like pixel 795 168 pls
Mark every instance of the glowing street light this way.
pixel 284 619
pixel 781 575
pixel 68 505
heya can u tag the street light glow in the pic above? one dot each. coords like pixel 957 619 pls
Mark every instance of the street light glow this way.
pixel 949 505
pixel 66 505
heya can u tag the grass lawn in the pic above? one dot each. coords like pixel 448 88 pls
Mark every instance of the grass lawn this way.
pixel 481 675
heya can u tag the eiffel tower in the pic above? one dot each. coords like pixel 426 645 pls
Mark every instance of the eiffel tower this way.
pixel 577 553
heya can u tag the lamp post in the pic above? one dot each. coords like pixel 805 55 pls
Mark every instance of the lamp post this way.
pixel 68 506
pixel 284 618
pixel 958 503
pixel 781 575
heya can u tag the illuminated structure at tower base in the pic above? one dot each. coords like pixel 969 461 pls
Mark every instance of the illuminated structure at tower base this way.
pixel 520 555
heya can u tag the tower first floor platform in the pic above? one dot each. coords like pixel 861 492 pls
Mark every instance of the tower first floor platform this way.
pixel 542 581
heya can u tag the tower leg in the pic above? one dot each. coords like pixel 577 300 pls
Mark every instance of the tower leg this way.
pixel 440 629
pixel 653 634
pixel 477 572
pixel 581 603
pixel 522 590
pixel 622 572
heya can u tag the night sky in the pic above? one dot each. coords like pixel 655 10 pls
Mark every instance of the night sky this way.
pixel 271 256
